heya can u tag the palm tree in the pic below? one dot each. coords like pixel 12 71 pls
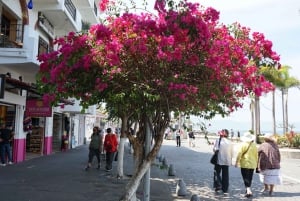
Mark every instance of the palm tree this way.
pixel 284 83
pixel 281 79
pixel 272 75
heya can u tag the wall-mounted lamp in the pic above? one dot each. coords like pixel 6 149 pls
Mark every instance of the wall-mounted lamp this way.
pixel 30 4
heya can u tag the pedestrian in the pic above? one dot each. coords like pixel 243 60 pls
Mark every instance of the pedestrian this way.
pixel 64 141
pixel 191 139
pixel 269 164
pixel 232 133
pixel 166 134
pixel 95 148
pixel 111 147
pixel 6 138
pixel 178 140
pixel 247 160
pixel 238 136
pixel 224 161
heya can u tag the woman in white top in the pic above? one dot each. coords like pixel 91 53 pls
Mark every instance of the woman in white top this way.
pixel 224 160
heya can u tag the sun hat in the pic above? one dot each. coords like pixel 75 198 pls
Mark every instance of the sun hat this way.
pixel 247 137
pixel 269 136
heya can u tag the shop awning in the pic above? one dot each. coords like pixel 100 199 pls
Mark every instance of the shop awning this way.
pixel 12 84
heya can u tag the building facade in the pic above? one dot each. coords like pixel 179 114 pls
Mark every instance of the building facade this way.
pixel 28 29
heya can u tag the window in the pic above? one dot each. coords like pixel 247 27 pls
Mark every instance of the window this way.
pixel 11 32
pixel 43 46
pixel 5 26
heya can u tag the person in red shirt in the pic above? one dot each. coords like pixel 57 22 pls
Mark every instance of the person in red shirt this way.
pixel 111 147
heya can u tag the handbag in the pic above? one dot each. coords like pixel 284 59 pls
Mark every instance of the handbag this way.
pixel 214 158
pixel 257 170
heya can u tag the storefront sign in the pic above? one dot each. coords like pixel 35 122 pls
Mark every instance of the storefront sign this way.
pixel 38 108
pixel 2 83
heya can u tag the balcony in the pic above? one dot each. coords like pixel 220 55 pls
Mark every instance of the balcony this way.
pixel 62 14
pixel 88 10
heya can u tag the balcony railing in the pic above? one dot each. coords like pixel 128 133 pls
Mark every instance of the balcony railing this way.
pixel 71 8
pixel 11 36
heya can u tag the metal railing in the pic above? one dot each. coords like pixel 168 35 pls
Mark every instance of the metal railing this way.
pixel 11 36
pixel 71 8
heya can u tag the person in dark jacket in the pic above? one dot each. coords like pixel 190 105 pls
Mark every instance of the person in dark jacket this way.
pixel 6 137
pixel 95 147
pixel 269 164
pixel 191 139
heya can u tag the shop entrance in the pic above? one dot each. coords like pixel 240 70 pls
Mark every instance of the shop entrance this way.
pixel 7 116
pixel 35 128
pixel 57 132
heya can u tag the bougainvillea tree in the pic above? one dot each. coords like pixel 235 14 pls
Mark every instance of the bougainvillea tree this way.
pixel 181 59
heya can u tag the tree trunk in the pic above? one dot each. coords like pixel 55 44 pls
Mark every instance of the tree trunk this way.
pixel 257 118
pixel 141 170
pixel 286 111
pixel 158 125
pixel 273 112
pixel 252 114
pixel 120 167
pixel 283 111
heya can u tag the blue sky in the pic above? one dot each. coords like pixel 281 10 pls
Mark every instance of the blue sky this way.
pixel 280 22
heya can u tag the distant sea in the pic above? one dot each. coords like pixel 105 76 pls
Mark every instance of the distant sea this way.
pixel 266 127
pixel 244 131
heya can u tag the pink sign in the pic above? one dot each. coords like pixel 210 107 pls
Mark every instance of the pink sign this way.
pixel 38 108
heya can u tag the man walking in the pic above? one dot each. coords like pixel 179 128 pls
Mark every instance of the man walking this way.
pixel 6 136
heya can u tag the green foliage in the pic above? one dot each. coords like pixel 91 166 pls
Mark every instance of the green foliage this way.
pixel 85 26
pixel 289 140
pixel 296 141
pixel 282 141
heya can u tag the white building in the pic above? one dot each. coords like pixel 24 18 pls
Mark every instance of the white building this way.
pixel 28 29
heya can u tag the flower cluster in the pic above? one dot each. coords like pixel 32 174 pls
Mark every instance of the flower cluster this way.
pixel 185 57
